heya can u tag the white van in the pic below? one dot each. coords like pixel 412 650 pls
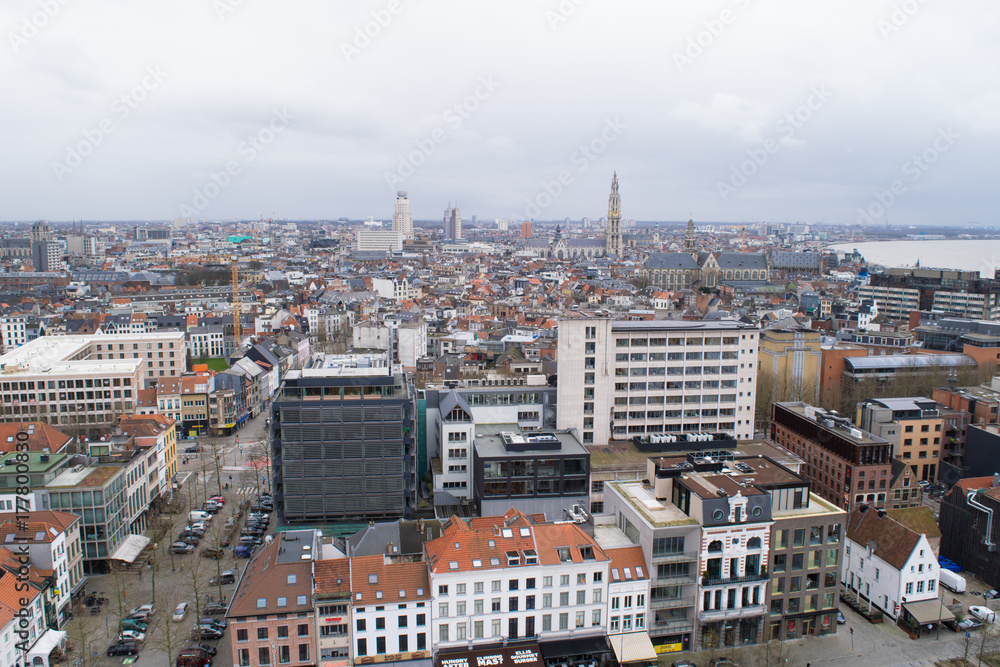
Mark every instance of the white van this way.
pixel 951 581
pixel 198 515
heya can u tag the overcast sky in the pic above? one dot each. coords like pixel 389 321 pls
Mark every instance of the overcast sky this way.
pixel 223 109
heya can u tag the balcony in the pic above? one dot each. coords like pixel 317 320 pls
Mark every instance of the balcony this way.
pixel 676 558
pixel 670 627
pixel 708 580
pixel 710 615
pixel 670 603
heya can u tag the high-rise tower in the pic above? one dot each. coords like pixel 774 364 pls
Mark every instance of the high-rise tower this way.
pixel 402 219
pixel 452 223
pixel 613 238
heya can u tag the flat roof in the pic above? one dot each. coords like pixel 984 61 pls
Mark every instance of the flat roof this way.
pixel 678 325
pixel 489 443
pixel 656 512
pixel 296 546
pixel 51 354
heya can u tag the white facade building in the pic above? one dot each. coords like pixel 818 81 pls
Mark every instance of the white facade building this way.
pixel 887 563
pixel 402 219
pixel 377 239
pixel 619 379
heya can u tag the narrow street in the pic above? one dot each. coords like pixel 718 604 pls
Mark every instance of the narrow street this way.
pixel 176 578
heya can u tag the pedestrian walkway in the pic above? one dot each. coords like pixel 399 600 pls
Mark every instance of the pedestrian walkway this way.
pixel 246 491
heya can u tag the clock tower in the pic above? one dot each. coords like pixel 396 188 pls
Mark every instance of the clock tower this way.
pixel 613 238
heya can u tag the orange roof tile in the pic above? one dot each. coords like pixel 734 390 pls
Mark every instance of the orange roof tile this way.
pixel 376 578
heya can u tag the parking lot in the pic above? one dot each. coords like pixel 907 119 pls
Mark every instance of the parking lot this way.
pixel 167 578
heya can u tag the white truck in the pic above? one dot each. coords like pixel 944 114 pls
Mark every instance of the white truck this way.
pixel 951 581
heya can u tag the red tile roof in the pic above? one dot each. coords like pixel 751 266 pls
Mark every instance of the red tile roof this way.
pixel 628 562
pixel 378 579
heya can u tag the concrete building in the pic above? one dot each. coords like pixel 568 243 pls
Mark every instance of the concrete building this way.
pixel 206 342
pixel 621 379
pixel 402 219
pixel 377 239
pixel 790 363
pixel 80 380
pixel 344 441
pixel 914 426
pixel 452 223
pixel 847 465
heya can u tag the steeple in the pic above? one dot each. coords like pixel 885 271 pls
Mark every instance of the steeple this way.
pixel 689 240
pixel 613 237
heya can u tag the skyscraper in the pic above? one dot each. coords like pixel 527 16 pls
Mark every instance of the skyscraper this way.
pixel 613 238
pixel 402 219
pixel 452 223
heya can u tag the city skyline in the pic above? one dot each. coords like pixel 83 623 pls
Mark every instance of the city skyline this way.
pixel 723 113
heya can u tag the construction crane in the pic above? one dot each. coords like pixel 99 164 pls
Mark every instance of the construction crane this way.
pixel 237 330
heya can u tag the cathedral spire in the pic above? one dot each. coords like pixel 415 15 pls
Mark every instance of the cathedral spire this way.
pixel 613 238
pixel 690 239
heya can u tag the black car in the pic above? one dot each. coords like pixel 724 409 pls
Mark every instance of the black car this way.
pixel 214 554
pixel 207 648
pixel 192 450
pixel 219 625
pixel 214 608
pixel 124 647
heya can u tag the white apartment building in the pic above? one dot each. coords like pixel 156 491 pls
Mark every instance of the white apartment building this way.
pixel 394 288
pixel 505 579
pixel 377 239
pixel 390 610
pixel 621 379
pixel 974 305
pixel 13 332
pixel 206 342
pixel 893 302
pixel 85 379
pixel 402 219
pixel 888 564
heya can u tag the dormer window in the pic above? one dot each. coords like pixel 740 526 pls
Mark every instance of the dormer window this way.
pixel 513 558
pixel 530 557
pixel 563 553
pixel 587 552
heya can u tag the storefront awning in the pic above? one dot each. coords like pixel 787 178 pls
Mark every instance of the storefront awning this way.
pixel 565 648
pixel 632 647
pixel 48 641
pixel 526 655
pixel 130 549
pixel 928 611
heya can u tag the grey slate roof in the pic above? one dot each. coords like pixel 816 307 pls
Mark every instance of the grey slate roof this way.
pixel 742 260
pixel 670 260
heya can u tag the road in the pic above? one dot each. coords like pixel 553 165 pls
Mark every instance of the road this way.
pixel 178 577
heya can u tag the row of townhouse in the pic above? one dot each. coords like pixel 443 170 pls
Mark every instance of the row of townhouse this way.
pixel 715 552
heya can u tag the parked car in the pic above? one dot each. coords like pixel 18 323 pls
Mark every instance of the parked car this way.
pixel 214 554
pixel 228 577
pixel 218 624
pixel 208 648
pixel 970 624
pixel 181 548
pixel 180 611
pixel 204 632
pixel 243 551
pixel 125 647
pixel 190 539
pixel 984 614
pixel 144 608
pixel 132 635
pixel 218 499
pixel 841 619
pixel 214 608
pixel 723 662
pixel 991 594
pixel 141 616
pixel 194 657
pixel 193 449
pixel 682 663
pixel 923 483
pixel 131 624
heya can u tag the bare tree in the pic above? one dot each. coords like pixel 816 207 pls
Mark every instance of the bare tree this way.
pixel 81 630
pixel 164 633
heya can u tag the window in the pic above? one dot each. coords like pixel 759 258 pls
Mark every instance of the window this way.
pixel 304 651
pixel 362 647
pixel 262 633
pixel 283 656
pixel 360 625
pixel 443 632
pixel 244 655
pixel 909 588
pixel 282 632
pixel 380 645
pixel 264 655
pixel 242 635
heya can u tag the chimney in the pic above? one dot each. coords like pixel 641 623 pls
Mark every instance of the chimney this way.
pixel 390 549
pixel 881 514
pixel 996 480
pixel 952 382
